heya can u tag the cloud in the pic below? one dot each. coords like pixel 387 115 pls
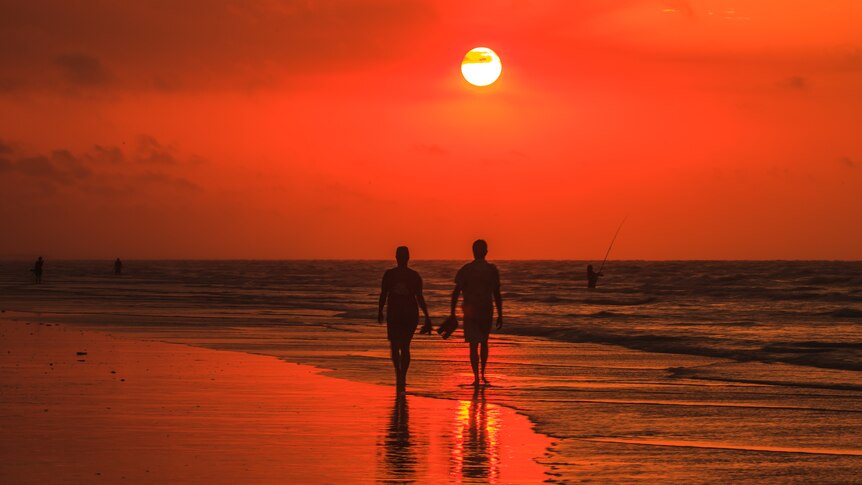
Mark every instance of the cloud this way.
pixel 196 44
pixel 795 82
pixel 680 6
pixel 430 149
pixel 81 69
pixel 111 155
pixel 100 164
pixel 59 166
pixel 161 178
pixel 848 162
pixel 150 151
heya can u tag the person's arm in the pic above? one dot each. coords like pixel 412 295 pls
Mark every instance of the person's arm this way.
pixel 455 294
pixel 384 293
pixel 420 298
pixel 498 300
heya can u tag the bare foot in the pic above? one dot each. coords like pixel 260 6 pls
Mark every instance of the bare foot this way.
pixel 485 381
pixel 476 382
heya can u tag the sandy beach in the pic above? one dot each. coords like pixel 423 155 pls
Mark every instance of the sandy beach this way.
pixel 81 406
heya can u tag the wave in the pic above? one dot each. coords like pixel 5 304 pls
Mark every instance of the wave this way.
pixel 828 280
pixel 613 302
pixel 692 373
pixel 826 355
pixel 545 299
pixel 364 314
pixel 845 313
pixel 607 314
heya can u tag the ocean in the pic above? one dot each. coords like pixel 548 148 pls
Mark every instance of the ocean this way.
pixel 669 363
pixel 806 313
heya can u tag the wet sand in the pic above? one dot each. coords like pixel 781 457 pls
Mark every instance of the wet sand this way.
pixel 618 415
pixel 81 406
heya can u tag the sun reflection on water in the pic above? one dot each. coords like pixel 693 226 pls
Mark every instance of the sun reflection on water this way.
pixel 475 452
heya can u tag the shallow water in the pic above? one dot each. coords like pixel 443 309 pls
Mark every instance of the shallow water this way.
pixel 804 313
pixel 686 371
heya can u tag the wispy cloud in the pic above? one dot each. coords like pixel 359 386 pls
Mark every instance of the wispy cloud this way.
pixel 430 149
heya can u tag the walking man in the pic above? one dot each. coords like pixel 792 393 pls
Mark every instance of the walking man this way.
pixel 401 294
pixel 479 281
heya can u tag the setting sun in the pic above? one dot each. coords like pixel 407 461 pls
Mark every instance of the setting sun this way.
pixel 481 66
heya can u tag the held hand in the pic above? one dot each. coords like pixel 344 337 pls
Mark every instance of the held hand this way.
pixel 426 329
pixel 499 323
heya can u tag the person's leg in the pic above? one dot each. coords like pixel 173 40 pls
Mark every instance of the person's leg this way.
pixel 474 361
pixel 394 353
pixel 405 362
pixel 484 353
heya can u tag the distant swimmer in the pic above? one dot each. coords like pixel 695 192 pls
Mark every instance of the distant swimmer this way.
pixel 479 281
pixel 118 267
pixel 592 277
pixel 37 269
pixel 401 294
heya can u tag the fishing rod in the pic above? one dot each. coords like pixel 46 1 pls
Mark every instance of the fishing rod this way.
pixel 612 243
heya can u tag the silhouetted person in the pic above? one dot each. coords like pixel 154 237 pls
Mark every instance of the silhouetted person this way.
pixel 479 280
pixel 118 267
pixel 37 269
pixel 401 293
pixel 592 277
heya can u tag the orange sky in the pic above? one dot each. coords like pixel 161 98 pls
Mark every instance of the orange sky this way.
pixel 341 129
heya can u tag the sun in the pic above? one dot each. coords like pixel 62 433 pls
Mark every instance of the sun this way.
pixel 481 66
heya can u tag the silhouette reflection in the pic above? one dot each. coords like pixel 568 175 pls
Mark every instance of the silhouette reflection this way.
pixel 399 455
pixel 477 455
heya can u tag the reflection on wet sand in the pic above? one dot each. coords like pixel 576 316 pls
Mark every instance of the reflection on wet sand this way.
pixel 399 454
pixel 470 437
pixel 475 450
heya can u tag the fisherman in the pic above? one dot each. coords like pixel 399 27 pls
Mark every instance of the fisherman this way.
pixel 592 277
pixel 37 269
pixel 118 267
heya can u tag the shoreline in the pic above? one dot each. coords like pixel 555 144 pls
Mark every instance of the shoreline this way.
pixel 611 411
pixel 81 405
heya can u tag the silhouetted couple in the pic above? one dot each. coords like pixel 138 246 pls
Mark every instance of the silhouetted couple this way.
pixel 401 294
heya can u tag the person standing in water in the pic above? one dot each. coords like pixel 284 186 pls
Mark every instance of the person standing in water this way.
pixel 118 267
pixel 479 281
pixel 592 277
pixel 401 294
pixel 37 269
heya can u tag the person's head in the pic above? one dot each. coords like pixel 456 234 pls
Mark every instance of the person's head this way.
pixel 402 255
pixel 480 249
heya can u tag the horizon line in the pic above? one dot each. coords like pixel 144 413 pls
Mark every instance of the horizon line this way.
pixel 728 260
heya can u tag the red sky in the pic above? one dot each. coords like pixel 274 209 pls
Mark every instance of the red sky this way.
pixel 341 129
